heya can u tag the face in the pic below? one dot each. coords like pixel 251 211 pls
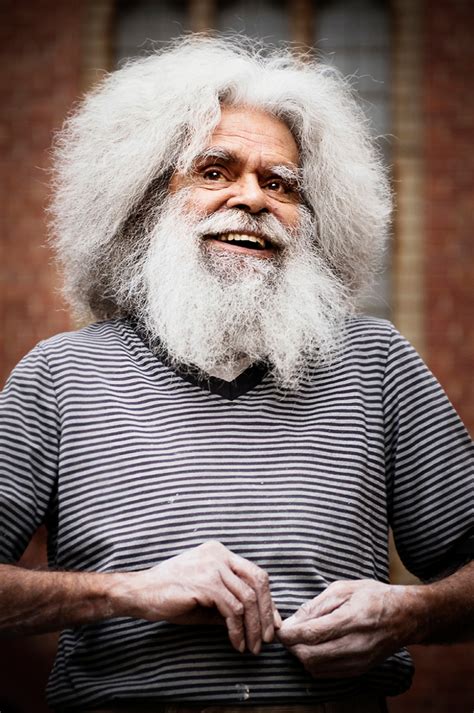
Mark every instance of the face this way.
pixel 250 164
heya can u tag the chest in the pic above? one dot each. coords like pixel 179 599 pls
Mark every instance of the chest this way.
pixel 143 481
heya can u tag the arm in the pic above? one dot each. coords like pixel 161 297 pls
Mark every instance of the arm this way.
pixel 354 625
pixel 190 588
pixel 34 601
pixel 447 607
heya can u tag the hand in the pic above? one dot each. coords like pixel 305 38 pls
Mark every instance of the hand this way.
pixel 349 628
pixel 211 584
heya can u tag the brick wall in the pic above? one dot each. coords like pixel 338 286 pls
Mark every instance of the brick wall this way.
pixel 449 198
pixel 444 680
pixel 40 45
pixel 434 106
pixel 43 60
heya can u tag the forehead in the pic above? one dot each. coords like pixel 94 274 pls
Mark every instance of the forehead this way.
pixel 255 134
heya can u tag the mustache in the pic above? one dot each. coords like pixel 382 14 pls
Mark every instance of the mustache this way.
pixel 235 220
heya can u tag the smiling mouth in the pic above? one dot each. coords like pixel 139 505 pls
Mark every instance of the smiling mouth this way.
pixel 244 241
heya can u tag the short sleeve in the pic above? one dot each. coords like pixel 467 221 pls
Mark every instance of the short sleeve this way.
pixel 29 437
pixel 430 473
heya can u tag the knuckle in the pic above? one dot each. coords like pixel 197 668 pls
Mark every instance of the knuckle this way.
pixel 234 625
pixel 212 544
pixel 304 656
pixel 213 548
pixel 307 607
pixel 262 579
pixel 237 608
pixel 250 597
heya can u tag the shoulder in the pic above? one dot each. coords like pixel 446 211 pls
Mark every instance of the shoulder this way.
pixel 370 338
pixel 102 347
pixel 94 344
pixel 98 334
pixel 363 329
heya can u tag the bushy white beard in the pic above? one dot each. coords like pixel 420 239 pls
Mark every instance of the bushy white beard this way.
pixel 209 307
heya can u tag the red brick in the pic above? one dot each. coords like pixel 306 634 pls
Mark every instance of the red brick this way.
pixel 449 191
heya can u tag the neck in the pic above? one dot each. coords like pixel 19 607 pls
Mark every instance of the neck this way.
pixel 230 371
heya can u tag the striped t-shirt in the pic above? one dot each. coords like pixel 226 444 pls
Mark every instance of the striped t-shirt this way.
pixel 129 463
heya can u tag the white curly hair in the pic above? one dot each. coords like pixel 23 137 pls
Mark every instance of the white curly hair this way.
pixel 151 117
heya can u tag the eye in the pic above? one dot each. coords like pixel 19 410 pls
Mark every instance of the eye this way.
pixel 213 174
pixel 276 185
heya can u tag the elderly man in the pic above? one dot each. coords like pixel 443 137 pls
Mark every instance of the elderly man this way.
pixel 219 456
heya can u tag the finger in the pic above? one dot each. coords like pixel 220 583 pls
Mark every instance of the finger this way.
pixel 266 608
pixel 277 620
pixel 232 609
pixel 236 632
pixel 325 603
pixel 258 579
pixel 314 662
pixel 248 597
pixel 342 657
pixel 314 631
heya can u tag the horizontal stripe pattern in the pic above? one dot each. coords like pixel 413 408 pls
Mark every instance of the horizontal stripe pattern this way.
pixel 130 464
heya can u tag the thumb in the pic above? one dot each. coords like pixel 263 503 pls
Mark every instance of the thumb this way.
pixel 302 614
pixel 322 604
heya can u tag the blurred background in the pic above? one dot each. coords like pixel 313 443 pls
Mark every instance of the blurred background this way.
pixel 413 64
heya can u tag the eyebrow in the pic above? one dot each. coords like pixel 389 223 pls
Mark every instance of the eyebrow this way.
pixel 286 171
pixel 217 153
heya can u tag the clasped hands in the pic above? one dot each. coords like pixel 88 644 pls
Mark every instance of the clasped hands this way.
pixel 344 631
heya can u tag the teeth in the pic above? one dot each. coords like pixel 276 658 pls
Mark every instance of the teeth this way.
pixel 230 237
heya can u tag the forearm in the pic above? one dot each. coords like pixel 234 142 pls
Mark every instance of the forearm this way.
pixel 443 611
pixel 198 586
pixel 33 601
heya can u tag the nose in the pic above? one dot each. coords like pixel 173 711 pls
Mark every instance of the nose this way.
pixel 248 195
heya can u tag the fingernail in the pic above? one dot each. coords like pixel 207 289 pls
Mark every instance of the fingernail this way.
pixel 242 647
pixel 257 648
pixel 277 620
pixel 269 634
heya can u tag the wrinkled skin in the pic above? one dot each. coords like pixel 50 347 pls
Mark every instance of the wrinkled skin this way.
pixel 350 627
pixel 209 584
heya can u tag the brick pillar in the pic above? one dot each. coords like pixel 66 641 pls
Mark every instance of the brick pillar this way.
pixel 443 679
pixel 40 44
pixel 408 250
pixel 449 198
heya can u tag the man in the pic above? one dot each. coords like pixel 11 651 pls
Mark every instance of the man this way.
pixel 219 456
